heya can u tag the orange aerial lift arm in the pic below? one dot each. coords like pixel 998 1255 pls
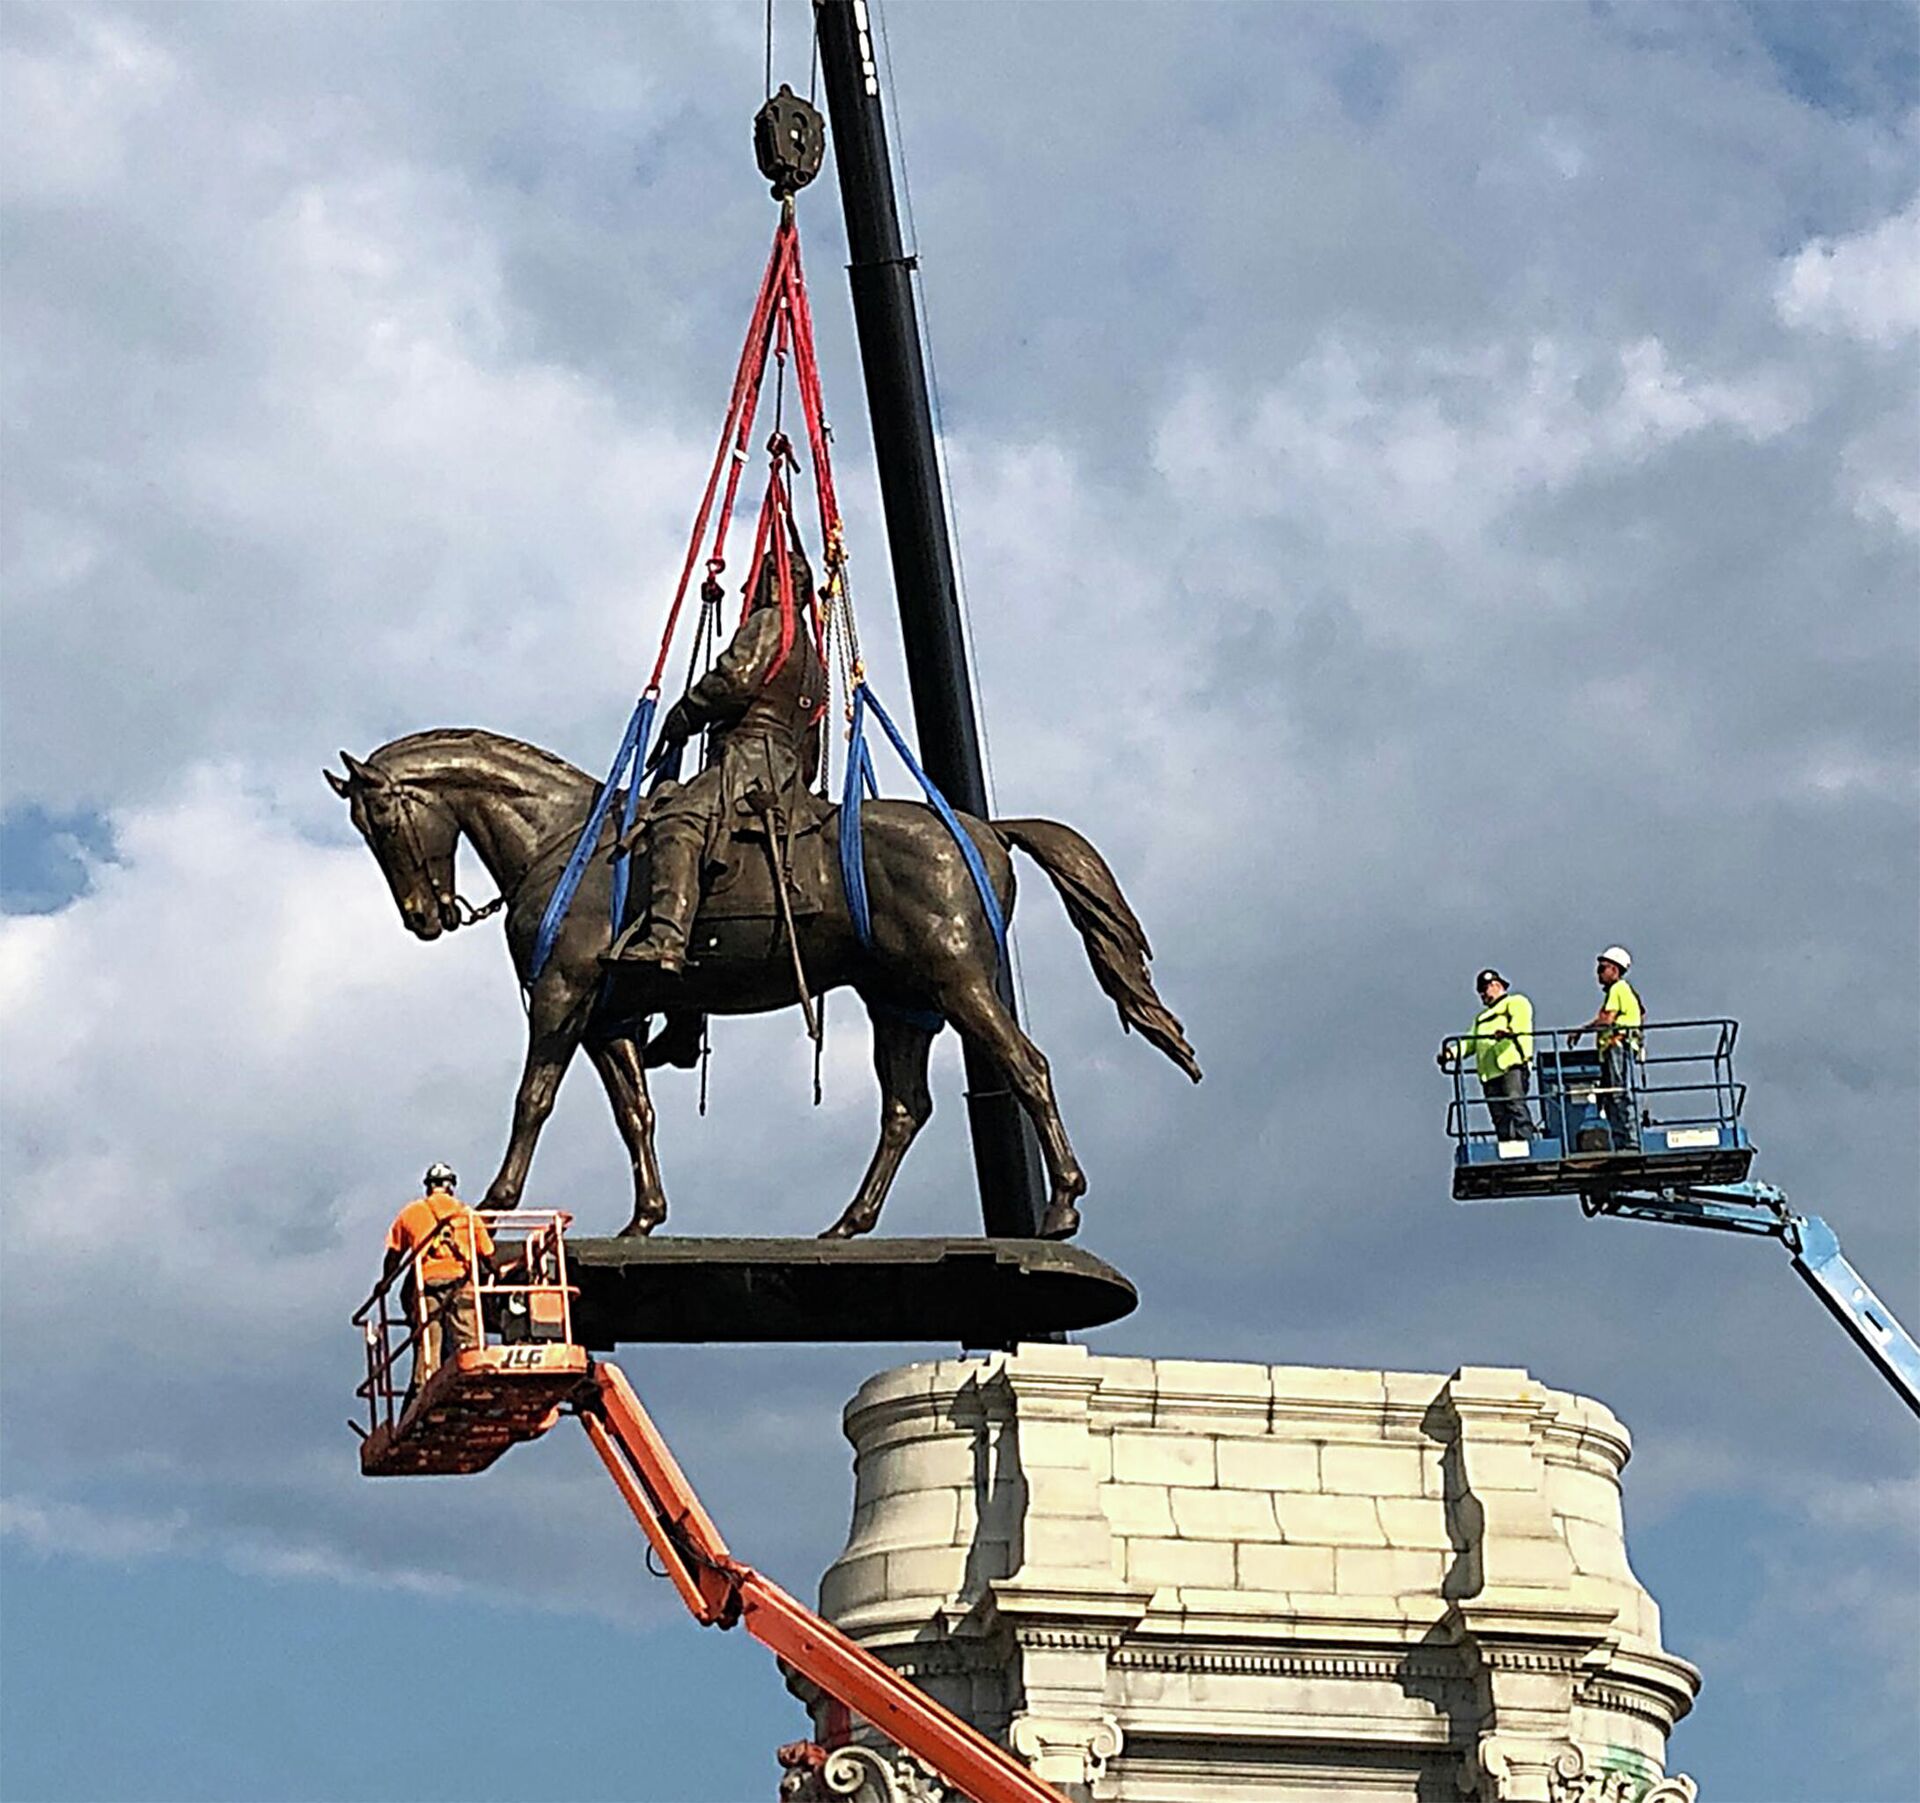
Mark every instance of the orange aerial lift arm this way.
pixel 721 1591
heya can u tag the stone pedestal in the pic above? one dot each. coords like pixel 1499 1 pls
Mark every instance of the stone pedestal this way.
pixel 1169 1581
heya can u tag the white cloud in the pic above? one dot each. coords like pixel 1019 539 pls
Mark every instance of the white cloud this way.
pixel 1443 443
pixel 1864 290
pixel 191 1051
pixel 1853 1580
pixel 1562 150
pixel 385 478
pixel 1865 286
pixel 78 1531
pixel 73 106
pixel 1881 467
pixel 1890 1505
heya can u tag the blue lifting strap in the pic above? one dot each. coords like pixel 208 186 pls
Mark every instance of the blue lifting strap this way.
pixel 632 749
pixel 853 869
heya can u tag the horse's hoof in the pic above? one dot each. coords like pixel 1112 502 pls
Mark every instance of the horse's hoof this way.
pixel 1062 1222
pixel 850 1227
pixel 641 1225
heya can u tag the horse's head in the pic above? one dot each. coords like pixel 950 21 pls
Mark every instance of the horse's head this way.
pixel 413 836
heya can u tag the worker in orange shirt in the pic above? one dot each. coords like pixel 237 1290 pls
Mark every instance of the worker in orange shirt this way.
pixel 444 1244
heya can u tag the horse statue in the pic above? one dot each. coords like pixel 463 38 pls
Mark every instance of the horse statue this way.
pixel 933 952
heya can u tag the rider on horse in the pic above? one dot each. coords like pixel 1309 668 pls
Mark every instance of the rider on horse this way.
pixel 762 709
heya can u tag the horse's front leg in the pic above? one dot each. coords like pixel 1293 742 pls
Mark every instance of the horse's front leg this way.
pixel 552 1038
pixel 622 1071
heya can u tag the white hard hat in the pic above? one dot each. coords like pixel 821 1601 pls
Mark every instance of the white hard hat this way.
pixel 439 1175
pixel 1618 954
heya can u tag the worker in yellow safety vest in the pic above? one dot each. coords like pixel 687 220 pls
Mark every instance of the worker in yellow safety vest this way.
pixel 1501 1047
pixel 1616 1030
pixel 445 1245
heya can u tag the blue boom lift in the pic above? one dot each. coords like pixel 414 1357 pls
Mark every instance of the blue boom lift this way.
pixel 1671 1147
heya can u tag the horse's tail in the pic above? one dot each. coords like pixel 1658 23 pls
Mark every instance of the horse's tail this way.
pixel 1116 942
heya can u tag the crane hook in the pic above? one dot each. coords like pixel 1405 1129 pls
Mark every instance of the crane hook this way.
pixel 789 142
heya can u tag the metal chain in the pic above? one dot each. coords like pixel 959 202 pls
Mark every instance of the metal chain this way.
pixel 470 916
pixel 466 914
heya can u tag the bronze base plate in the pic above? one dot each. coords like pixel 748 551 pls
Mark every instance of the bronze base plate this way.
pixel 979 1292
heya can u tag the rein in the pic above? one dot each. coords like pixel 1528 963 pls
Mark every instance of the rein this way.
pixel 465 913
pixel 470 916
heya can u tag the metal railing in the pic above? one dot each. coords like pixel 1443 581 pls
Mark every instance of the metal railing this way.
pixel 520 1294
pixel 1678 1080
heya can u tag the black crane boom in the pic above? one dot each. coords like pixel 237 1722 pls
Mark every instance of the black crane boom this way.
pixel 1005 1151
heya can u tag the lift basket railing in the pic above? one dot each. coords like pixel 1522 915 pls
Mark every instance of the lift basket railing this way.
pixel 1680 1100
pixel 521 1294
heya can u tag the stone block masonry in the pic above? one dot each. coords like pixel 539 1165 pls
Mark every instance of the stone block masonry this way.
pixel 1174 1581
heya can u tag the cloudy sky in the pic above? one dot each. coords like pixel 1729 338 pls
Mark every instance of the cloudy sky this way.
pixel 1436 485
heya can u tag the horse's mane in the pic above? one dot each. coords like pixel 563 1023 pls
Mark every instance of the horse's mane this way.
pixel 418 754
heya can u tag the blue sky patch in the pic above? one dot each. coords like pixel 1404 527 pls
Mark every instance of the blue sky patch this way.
pixel 43 857
pixel 1858 60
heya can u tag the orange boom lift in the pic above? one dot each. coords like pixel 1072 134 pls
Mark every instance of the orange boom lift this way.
pixel 526 1374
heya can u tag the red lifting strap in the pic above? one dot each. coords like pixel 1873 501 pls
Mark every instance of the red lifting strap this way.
pixel 776 534
pixel 781 318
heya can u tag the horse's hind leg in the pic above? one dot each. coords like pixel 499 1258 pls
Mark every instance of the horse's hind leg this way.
pixel 900 1050
pixel 973 1007
pixel 624 1074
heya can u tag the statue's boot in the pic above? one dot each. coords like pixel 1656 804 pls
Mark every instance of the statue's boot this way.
pixel 674 857
pixel 678 1042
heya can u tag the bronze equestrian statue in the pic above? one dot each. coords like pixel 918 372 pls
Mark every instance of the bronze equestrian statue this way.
pixel 933 952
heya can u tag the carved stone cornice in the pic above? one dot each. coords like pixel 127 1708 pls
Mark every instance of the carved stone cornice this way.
pixel 1508 1628
pixel 1648 1682
pixel 1437 1666
pixel 1310 1615
pixel 1095 1616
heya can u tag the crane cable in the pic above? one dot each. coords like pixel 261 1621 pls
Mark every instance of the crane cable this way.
pixel 730 458
pixel 781 324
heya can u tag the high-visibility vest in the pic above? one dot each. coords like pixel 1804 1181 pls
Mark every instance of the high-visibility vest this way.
pixel 1624 1005
pixel 1513 1013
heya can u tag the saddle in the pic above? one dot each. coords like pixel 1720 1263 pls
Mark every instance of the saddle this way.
pixel 738 878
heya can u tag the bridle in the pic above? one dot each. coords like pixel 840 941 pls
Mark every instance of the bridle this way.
pixel 465 914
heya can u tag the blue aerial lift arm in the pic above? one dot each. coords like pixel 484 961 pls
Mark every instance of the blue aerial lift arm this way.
pixel 1762 1209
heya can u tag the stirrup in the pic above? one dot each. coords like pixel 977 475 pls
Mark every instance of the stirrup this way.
pixel 663 953
pixel 649 939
